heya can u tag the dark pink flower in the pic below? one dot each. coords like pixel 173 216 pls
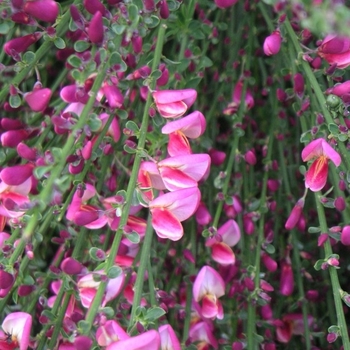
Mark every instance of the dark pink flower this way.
pixel 272 43
pixel 110 332
pixel 38 100
pixel 21 44
pixel 287 279
pixel 149 340
pixel 295 214
pixel 335 50
pixel 225 3
pixel 316 176
pixel 95 30
pixel 43 10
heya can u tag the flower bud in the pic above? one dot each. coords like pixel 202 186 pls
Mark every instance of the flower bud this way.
pixel 21 44
pixel 299 85
pixel 38 100
pixel 272 43
pixel 95 30
pixel 345 235
pixel 269 263
pixel 339 203
pixel 6 279
pixel 94 6
pixel 71 266
pixel 225 3
pixel 287 279
pixel 250 157
pixel 43 10
pixel 295 215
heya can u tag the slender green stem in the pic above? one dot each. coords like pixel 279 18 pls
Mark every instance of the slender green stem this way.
pixel 131 185
pixel 334 276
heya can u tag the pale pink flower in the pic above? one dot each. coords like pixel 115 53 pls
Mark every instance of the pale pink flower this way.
pixel 174 103
pixel 149 340
pixel 202 333
pixel 207 289
pixel 17 326
pixel 168 338
pixel 109 333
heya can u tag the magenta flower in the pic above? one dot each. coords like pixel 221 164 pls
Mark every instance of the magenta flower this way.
pixel 170 209
pixel 225 3
pixel 321 151
pixel 272 43
pixel 43 10
pixel 207 289
pixel 149 340
pixel 38 99
pixel 341 90
pixel 287 279
pixel 83 214
pixel 174 103
pixel 21 44
pixel 17 327
pixel 295 214
pixel 335 50
pixel 183 171
pixel 95 30
pixel 201 332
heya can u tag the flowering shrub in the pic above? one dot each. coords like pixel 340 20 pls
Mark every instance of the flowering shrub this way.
pixel 174 174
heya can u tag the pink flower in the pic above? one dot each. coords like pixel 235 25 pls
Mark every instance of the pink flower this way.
pixel 21 44
pixel 87 287
pixel 109 333
pixel 316 176
pixel 230 235
pixel 272 43
pixel 225 3
pixel 95 30
pixel 168 338
pixel 207 289
pixel 170 209
pixel 291 324
pixel 202 333
pixel 149 340
pixel 295 214
pixel 341 90
pixel 287 279
pixel 83 214
pixel 43 10
pixel 335 50
pixel 183 171
pixel 38 99
pixel 174 103
pixel 16 327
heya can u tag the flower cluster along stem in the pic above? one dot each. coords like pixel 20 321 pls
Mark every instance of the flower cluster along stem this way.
pixel 131 185
pixel 295 251
pixel 333 275
pixel 251 326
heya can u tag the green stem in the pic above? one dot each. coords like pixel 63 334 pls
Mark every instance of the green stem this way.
pixel 334 276
pixel 131 186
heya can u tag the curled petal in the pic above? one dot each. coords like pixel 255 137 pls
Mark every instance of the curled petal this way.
pixel 316 176
pixel 222 254
pixel 166 224
pixel 146 341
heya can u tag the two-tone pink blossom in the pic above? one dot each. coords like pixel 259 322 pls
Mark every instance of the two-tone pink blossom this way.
pixel 149 340
pixel 335 50
pixel 202 334
pixel 84 214
pixel 192 126
pixel 168 338
pixel 207 289
pixel 87 287
pixel 183 171
pixel 15 332
pixel 229 234
pixel 174 103
pixel 170 209
pixel 109 333
pixel 321 152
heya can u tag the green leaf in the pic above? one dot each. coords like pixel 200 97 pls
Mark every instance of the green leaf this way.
pixel 152 21
pixel 38 237
pixel 154 313
pixel 81 46
pixel 318 265
pixel 15 101
pixel 133 12
pixel 343 137
pixel 59 43
pixel 129 150
pixel 94 123
pixel 122 114
pixel 132 126
pixel 74 61
pixel 270 249
pixel 84 327
pixel 306 137
pixel 28 57
pixel 333 329
pixel 114 272
pixel 206 233
pixel 97 254
pixel 313 229
pixel 115 58
pixel 118 28
pixel 193 83
pixel 333 128
pixel 40 171
pixel 133 237
pixel 49 315
pixel 5 27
